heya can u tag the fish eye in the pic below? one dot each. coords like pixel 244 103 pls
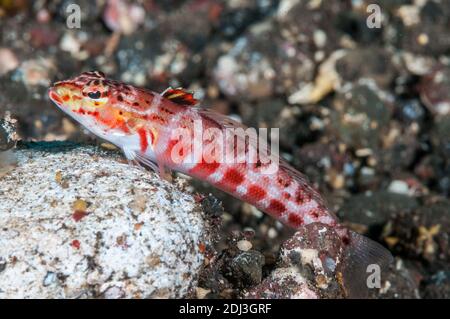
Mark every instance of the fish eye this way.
pixel 94 95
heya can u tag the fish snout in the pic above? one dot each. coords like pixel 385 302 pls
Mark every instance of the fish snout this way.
pixel 58 93
pixel 54 96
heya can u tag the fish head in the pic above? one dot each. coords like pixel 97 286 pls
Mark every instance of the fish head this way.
pixel 108 102
pixel 88 99
pixel 91 99
pixel 110 109
pixel 83 95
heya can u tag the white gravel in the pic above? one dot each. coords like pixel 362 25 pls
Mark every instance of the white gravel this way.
pixel 139 237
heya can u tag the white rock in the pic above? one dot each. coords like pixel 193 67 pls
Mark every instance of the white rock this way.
pixel 291 273
pixel 410 14
pixel 326 81
pixel 8 60
pixel 124 17
pixel 70 43
pixel 38 71
pixel 418 64
pixel 244 245
pixel 399 187
pixel 285 6
pixel 320 38
pixel 276 284
pixel 127 246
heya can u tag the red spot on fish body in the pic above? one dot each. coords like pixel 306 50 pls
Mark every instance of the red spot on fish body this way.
pixel 166 110
pixel 276 207
pixel 295 220
pixel 156 118
pixel 301 196
pixel 256 193
pixel 170 145
pixel 66 98
pixel 232 177
pixel 314 213
pixel 122 125
pixel 205 169
pixel 143 139
pixel 107 122
pixel 152 137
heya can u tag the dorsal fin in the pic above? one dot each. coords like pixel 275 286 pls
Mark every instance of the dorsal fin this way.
pixel 180 96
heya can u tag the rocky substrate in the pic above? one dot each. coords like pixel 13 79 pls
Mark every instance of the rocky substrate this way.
pixel 76 222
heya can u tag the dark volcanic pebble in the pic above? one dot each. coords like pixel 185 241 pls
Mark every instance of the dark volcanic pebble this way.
pixel 313 254
pixel 7 134
pixel 246 268
pixel 360 115
pixel 438 286
pixel 435 91
pixel 375 209
pixel 372 62
pixel 423 233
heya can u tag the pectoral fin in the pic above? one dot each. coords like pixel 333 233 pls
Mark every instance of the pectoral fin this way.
pixel 136 158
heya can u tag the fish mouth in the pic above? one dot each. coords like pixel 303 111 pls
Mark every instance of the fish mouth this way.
pixel 54 96
pixel 55 92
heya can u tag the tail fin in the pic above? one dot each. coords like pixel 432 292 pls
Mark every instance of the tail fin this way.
pixel 365 264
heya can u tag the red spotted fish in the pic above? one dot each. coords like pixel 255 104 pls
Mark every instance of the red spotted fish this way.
pixel 142 124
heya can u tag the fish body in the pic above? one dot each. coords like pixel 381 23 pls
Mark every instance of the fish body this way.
pixel 142 123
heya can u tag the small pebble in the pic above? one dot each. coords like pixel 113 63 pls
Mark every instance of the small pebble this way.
pixel 58 177
pixel 201 292
pixel 399 187
pixel 8 61
pixel 423 39
pixel 272 233
pixel 363 152
pixel 244 245
pixel 50 278
pixel 108 146
pixel 80 205
pixel 337 180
